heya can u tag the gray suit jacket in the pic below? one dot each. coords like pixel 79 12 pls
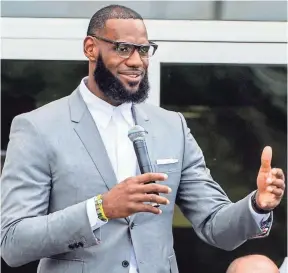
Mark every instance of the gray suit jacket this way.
pixel 56 160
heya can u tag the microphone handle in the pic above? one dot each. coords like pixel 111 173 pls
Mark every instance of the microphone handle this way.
pixel 142 156
pixel 144 160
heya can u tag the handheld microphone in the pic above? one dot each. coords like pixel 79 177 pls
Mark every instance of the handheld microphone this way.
pixel 137 135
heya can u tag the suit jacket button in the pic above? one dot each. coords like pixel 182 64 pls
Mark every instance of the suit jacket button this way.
pixel 125 263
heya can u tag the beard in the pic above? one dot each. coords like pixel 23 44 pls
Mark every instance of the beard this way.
pixel 113 89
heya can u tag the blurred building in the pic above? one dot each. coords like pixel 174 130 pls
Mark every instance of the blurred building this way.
pixel 223 64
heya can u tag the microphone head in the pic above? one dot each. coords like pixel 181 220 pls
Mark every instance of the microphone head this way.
pixel 137 133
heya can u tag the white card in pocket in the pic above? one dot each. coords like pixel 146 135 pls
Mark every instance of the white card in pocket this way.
pixel 166 161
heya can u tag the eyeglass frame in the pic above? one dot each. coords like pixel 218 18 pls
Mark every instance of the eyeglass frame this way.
pixel 136 46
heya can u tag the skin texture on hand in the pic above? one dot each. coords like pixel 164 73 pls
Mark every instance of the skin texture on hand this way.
pixel 270 182
pixel 128 197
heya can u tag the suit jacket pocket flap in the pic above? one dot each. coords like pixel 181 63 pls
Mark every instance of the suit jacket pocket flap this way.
pixel 60 266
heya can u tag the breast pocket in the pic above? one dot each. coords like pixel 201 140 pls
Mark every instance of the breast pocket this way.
pixel 167 167
pixel 60 266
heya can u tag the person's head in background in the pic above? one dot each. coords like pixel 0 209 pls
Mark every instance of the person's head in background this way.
pixel 253 264
pixel 118 51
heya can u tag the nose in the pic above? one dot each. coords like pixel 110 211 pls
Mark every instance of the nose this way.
pixel 134 60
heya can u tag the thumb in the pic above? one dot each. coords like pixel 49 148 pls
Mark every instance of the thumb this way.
pixel 266 159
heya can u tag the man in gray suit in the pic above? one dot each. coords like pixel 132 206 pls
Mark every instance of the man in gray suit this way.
pixel 72 195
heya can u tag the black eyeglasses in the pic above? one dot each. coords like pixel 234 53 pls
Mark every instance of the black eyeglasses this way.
pixel 125 49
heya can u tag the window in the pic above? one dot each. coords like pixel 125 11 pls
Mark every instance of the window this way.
pixel 74 9
pixel 233 111
pixel 29 84
pixel 155 10
pixel 254 10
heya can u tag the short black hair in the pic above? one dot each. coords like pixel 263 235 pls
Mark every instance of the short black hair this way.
pixel 99 19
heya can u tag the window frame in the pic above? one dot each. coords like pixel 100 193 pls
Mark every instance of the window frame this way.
pixel 230 42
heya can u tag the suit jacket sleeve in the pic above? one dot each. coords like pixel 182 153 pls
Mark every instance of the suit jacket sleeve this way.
pixel 28 232
pixel 215 219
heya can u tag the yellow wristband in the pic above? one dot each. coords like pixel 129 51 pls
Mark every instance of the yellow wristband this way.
pixel 99 208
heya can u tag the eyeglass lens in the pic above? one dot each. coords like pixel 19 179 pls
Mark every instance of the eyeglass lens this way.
pixel 125 50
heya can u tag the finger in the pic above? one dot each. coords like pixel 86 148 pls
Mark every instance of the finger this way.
pixel 147 208
pixel 153 187
pixel 149 177
pixel 152 198
pixel 266 158
pixel 278 173
pixel 279 183
pixel 277 191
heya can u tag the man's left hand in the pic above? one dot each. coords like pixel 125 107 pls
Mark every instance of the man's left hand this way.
pixel 270 183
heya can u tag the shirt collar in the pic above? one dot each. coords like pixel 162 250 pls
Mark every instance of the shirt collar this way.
pixel 102 110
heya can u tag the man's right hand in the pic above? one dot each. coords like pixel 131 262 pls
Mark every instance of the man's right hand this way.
pixel 128 197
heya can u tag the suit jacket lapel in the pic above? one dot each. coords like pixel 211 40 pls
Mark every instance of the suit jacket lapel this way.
pixel 88 133
pixel 143 120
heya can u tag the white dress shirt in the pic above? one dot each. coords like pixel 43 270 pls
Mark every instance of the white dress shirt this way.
pixel 113 124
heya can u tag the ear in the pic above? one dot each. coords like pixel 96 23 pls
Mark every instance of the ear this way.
pixel 90 48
